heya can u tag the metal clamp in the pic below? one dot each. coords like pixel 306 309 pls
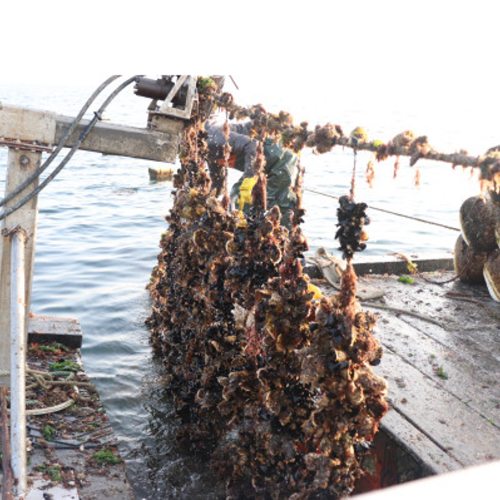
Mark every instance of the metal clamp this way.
pixel 6 233
pixel 184 113
pixel 34 147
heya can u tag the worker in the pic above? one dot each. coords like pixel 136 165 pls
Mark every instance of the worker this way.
pixel 280 168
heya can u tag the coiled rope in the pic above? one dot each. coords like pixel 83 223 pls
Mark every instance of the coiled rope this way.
pixel 45 381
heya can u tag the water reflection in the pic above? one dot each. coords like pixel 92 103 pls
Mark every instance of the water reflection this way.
pixel 157 466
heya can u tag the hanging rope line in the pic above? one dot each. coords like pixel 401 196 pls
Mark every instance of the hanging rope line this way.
pixel 389 211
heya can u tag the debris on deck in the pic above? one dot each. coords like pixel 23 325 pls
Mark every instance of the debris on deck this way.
pixel 73 452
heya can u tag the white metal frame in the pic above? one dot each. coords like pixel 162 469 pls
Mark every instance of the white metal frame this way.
pixel 18 363
pixel 27 133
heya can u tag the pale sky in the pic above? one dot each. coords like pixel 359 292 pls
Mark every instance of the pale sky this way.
pixel 431 57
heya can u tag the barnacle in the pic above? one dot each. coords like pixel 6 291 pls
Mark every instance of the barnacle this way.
pixel 419 148
pixel 489 167
pixel 381 151
pixel 402 140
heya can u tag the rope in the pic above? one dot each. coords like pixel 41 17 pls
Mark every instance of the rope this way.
pixel 45 381
pixel 324 139
pixel 389 211
pixel 51 409
pixel 45 384
pixel 47 410
pixel 397 310
pixel 414 270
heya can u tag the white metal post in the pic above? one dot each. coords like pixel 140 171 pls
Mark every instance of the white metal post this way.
pixel 18 364
pixel 20 167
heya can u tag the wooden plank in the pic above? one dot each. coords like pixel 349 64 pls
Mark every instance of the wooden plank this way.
pixel 432 458
pixel 473 483
pixel 21 165
pixel 448 422
pixel 471 382
pixel 120 140
pixel 469 318
pixel 83 430
pixel 66 331
pixel 400 453
pixel 456 415
pixel 41 489
pixel 390 264
pixel 458 410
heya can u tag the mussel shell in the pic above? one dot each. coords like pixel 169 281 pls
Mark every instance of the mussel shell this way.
pixel 492 274
pixel 478 220
pixel 468 263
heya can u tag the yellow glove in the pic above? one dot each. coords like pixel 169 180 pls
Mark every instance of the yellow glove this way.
pixel 246 191
pixel 315 289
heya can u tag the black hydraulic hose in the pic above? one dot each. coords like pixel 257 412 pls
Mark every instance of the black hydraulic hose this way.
pixel 61 143
pixel 88 128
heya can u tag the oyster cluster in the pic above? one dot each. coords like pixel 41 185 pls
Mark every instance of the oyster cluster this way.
pixel 267 375
pixel 351 220
pixel 477 253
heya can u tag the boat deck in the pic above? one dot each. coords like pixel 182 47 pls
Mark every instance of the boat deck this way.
pixel 442 363
pixel 72 454
pixel 441 360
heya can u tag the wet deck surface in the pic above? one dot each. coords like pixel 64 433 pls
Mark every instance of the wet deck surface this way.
pixel 442 364
pixel 63 445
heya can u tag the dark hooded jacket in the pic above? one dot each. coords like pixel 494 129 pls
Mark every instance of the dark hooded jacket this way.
pixel 280 169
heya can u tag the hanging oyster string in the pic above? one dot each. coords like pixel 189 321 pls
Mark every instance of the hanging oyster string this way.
pixel 351 221
pixel 267 375
pixel 351 215
pixel 323 138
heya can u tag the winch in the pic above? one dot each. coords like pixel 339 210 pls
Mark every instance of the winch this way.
pixel 178 93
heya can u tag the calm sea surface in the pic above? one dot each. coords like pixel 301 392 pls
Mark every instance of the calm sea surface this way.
pixel 100 223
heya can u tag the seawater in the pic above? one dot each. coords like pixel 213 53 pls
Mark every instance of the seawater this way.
pixel 100 223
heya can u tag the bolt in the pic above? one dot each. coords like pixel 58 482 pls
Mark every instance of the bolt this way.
pixel 24 161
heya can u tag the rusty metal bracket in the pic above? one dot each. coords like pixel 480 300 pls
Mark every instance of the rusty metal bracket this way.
pixel 35 146
pixel 6 233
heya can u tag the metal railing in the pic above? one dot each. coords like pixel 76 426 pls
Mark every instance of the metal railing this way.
pixel 28 133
